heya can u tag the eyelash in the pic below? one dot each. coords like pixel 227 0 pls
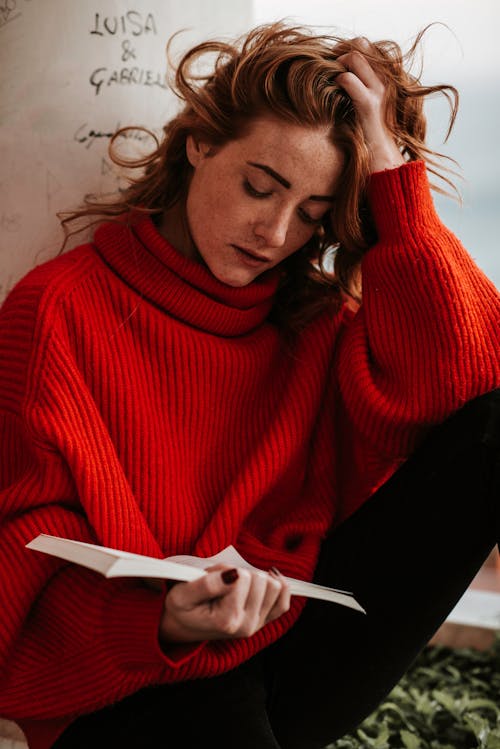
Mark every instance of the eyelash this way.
pixel 257 194
pixel 253 192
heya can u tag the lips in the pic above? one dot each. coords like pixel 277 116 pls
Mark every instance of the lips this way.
pixel 251 254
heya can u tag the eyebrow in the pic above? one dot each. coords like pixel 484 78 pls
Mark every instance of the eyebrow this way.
pixel 286 184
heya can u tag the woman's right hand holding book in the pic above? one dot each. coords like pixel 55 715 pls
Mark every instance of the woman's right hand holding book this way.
pixel 223 604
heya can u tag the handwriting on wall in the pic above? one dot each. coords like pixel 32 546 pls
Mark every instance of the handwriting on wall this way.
pixel 10 10
pixel 87 135
pixel 105 71
pixel 126 29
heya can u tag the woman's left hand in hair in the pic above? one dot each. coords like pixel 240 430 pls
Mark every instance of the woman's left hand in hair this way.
pixel 368 95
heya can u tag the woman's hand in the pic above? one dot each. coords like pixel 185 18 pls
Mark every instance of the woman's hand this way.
pixel 368 95
pixel 224 603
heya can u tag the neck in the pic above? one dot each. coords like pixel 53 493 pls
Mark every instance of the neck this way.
pixel 174 227
pixel 186 290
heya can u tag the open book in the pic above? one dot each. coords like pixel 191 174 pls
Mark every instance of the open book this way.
pixel 114 563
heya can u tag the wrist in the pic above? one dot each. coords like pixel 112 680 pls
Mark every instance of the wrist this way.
pixel 383 149
pixel 172 631
pixel 168 632
pixel 385 156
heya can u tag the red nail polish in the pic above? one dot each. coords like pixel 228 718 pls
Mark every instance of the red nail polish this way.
pixel 229 576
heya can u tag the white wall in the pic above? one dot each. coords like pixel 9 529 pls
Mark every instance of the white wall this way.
pixel 70 72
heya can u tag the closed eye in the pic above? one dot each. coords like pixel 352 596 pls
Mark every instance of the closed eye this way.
pixel 309 219
pixel 250 189
pixel 305 217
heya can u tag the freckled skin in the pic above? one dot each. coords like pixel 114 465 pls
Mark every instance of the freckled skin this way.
pixel 235 209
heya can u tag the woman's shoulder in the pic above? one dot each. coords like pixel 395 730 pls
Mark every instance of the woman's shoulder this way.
pixel 49 282
pixel 61 270
pixel 30 313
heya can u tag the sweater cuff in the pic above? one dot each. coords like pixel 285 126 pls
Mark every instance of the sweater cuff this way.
pixel 131 620
pixel 400 199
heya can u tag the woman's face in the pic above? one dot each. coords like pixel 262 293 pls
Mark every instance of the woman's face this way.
pixel 258 199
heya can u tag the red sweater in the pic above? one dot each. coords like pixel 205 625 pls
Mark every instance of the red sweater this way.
pixel 146 406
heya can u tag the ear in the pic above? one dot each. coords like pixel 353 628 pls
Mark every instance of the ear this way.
pixel 195 150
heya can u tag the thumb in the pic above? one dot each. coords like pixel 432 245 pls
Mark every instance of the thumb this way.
pixel 216 583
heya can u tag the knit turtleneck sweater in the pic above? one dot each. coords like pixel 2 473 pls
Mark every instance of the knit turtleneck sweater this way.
pixel 146 406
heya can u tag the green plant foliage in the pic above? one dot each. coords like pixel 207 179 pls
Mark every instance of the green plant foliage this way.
pixel 448 699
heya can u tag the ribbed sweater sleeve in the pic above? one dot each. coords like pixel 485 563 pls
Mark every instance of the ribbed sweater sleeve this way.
pixel 427 336
pixel 115 359
pixel 57 618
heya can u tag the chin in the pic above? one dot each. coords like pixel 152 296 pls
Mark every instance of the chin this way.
pixel 236 280
pixel 237 283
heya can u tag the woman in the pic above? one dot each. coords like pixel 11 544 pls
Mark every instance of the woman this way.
pixel 191 379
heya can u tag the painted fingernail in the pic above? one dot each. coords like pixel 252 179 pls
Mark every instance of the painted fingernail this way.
pixel 229 576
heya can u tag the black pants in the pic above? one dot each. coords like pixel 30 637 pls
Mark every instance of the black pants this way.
pixel 409 554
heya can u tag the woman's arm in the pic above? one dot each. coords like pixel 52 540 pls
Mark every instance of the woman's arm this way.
pixel 367 93
pixel 70 640
pixel 427 336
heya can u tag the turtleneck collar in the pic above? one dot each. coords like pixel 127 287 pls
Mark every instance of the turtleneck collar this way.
pixel 134 249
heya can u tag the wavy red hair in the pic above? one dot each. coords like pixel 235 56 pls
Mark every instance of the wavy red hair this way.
pixel 290 73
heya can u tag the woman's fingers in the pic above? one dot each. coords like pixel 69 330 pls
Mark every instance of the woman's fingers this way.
pixel 282 602
pixel 361 72
pixel 362 85
pixel 264 599
pixel 261 599
pixel 207 608
pixel 223 603
pixel 368 94
pixel 220 581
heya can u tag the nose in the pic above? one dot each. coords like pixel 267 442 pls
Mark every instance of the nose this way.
pixel 272 228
